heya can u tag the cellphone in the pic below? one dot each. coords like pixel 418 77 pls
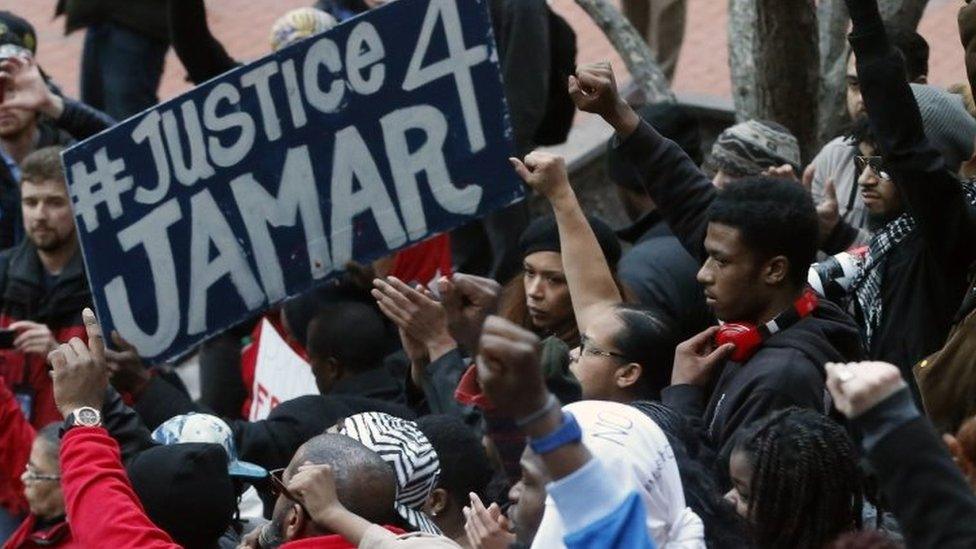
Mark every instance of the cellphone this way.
pixel 7 337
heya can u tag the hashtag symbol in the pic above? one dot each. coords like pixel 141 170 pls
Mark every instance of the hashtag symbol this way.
pixel 102 186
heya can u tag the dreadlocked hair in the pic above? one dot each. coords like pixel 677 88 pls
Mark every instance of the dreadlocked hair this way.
pixel 806 488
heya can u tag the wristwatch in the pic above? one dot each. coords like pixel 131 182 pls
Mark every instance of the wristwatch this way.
pixel 86 416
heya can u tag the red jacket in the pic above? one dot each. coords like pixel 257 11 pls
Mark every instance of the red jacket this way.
pixel 101 506
pixel 25 537
pixel 16 438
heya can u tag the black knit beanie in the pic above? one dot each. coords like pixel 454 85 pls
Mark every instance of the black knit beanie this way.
pixel 542 235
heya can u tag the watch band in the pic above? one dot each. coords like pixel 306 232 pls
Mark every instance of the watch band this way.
pixel 567 433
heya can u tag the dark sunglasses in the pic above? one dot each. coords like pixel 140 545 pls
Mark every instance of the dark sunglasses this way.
pixel 278 488
pixel 876 163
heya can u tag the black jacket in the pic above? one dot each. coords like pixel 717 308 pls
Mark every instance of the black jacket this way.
pixel 925 276
pixel 661 274
pixel 23 296
pixel 272 442
pixel 787 370
pixel 926 491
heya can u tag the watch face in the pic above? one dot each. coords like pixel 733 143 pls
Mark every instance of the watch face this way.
pixel 87 417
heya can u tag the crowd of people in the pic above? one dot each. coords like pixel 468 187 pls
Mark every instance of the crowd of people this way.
pixel 775 354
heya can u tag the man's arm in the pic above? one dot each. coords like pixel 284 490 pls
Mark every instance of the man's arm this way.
pixel 679 188
pixel 932 194
pixel 967 34
pixel 96 488
pixel 927 493
pixel 201 54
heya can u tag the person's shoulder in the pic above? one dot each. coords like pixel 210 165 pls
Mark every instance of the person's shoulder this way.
pixel 838 149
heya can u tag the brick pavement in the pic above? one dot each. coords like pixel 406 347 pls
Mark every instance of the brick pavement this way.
pixel 242 25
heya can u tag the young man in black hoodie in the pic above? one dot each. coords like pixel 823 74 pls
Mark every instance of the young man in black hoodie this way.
pixel 755 240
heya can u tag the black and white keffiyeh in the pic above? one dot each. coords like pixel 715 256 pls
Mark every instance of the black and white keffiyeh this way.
pixel 867 283
pixel 401 444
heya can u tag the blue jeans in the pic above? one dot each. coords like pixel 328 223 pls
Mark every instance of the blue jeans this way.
pixel 120 70
pixel 8 525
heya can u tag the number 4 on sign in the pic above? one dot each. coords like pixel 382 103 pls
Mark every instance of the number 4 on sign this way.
pixel 459 63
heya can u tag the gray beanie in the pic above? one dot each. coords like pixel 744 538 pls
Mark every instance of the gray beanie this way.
pixel 750 147
pixel 948 126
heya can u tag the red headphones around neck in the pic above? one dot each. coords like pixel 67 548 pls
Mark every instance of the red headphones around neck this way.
pixel 748 338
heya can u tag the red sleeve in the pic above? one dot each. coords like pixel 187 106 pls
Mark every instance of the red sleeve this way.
pixel 95 488
pixel 16 438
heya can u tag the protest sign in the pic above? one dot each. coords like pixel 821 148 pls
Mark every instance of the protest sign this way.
pixel 279 374
pixel 265 181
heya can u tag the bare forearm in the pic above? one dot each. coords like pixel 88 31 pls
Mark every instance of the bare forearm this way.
pixel 591 284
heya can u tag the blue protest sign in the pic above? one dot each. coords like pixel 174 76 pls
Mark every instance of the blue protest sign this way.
pixel 265 181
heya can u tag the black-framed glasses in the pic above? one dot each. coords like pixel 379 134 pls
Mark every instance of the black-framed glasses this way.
pixel 31 475
pixel 876 163
pixel 587 348
pixel 278 488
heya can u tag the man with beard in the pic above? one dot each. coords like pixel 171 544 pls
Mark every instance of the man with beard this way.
pixel 845 221
pixel 42 286
pixel 913 279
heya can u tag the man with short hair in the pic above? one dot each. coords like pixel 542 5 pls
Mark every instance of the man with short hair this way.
pixel 756 239
pixel 42 285
pixel 347 342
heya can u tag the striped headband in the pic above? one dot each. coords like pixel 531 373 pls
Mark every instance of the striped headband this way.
pixel 401 444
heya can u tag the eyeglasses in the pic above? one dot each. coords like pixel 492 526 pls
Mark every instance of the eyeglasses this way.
pixel 876 163
pixel 278 487
pixel 586 348
pixel 33 476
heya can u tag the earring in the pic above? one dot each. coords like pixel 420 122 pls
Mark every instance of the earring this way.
pixel 433 514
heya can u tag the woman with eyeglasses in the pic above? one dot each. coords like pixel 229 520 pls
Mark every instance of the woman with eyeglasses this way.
pixel 626 352
pixel 31 459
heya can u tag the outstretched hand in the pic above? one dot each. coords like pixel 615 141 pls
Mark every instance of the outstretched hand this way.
pixel 416 313
pixel 24 88
pixel 695 359
pixel 79 371
pixel 545 173
pixel 594 89
pixel 508 368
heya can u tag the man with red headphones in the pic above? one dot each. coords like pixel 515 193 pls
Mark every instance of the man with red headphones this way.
pixel 755 239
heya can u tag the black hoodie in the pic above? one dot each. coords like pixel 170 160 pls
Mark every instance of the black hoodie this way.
pixel 788 369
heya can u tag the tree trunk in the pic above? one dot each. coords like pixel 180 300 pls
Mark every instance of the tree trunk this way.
pixel 782 83
pixel 832 20
pixel 742 65
pixel 632 48
pixel 903 13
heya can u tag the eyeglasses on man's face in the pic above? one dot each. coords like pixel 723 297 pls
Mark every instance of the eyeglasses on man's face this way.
pixel 876 163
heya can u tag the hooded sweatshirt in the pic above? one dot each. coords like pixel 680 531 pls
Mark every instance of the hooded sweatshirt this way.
pixel 787 370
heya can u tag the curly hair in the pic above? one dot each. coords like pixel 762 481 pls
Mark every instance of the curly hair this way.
pixel 806 487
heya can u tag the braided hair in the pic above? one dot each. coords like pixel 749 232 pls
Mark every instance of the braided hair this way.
pixel 806 488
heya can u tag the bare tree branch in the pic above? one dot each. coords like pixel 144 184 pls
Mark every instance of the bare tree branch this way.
pixel 903 13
